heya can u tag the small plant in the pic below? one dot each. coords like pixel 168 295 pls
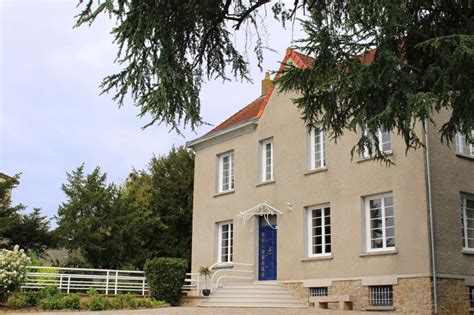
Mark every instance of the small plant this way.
pixel 118 302
pixel 72 301
pixel 131 302
pixel 98 303
pixel 149 303
pixel 50 297
pixel 92 292
pixel 17 300
pixel 206 272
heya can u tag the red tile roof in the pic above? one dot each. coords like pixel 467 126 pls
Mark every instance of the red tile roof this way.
pixel 253 110
pixel 256 108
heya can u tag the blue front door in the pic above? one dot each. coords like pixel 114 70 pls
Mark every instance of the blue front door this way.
pixel 267 248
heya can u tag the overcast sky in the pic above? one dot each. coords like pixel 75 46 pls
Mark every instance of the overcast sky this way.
pixel 52 118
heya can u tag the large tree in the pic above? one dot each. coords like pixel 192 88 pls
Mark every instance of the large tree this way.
pixel 424 60
pixel 150 215
pixel 28 230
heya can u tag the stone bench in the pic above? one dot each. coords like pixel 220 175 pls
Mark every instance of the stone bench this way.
pixel 321 302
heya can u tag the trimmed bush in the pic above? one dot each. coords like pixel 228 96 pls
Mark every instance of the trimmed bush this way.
pixel 17 300
pixel 50 298
pixel 118 302
pixel 165 277
pixel 72 301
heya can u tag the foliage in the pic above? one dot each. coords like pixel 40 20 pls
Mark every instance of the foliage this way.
pixel 29 230
pixel 424 61
pixel 72 301
pixel 50 298
pixel 165 276
pixel 76 260
pixel 121 227
pixel 12 270
pixel 17 300
pixel 130 300
pixel 86 219
pixel 97 303
pixel 118 302
pixel 149 303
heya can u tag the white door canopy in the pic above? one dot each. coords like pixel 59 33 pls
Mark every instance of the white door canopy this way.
pixel 263 209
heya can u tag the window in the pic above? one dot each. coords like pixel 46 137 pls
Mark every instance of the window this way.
pixel 226 172
pixel 380 224
pixel 381 295
pixel 319 231
pixel 468 221
pixel 384 141
pixel 225 244
pixel 471 297
pixel 463 146
pixel 320 291
pixel 266 152
pixel 317 148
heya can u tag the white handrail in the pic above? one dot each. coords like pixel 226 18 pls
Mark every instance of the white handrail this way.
pixel 235 277
pixel 218 272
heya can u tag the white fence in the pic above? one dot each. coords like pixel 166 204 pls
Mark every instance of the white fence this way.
pixel 81 279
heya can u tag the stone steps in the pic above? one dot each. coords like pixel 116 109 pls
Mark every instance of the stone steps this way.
pixel 252 295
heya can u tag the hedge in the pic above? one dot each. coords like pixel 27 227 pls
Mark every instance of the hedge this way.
pixel 165 277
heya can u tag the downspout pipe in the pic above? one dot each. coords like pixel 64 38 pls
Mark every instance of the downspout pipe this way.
pixel 430 212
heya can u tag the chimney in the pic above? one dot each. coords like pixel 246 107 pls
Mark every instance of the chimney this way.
pixel 267 84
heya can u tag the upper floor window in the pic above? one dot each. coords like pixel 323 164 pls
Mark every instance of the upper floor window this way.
pixel 463 146
pixel 468 221
pixel 384 139
pixel 225 242
pixel 317 148
pixel 266 160
pixel 319 231
pixel 226 172
pixel 380 223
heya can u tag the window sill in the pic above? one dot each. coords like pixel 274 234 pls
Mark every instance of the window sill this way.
pixel 380 308
pixel 371 158
pixel 379 253
pixel 316 170
pixel 466 251
pixel 268 182
pixel 316 258
pixel 224 266
pixel 224 193
pixel 465 156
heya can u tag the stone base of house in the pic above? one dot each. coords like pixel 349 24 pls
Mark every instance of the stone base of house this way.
pixel 410 295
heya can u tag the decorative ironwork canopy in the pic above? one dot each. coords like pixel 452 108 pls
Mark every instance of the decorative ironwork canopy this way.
pixel 263 209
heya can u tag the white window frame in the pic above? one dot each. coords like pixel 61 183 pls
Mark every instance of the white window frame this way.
pixel 313 134
pixel 230 244
pixel 310 235
pixel 368 235
pixel 229 181
pixel 465 218
pixel 379 134
pixel 266 161
pixel 463 147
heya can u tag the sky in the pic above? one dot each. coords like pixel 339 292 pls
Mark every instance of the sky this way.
pixel 52 118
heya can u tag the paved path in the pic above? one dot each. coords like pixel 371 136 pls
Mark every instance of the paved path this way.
pixel 208 311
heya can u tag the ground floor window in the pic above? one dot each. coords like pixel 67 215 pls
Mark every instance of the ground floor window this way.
pixel 319 231
pixel 381 295
pixel 225 244
pixel 319 291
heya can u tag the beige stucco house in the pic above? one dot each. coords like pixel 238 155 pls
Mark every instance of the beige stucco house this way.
pixel 275 202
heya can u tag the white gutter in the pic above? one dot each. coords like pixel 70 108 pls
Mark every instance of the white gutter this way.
pixel 430 211
pixel 202 139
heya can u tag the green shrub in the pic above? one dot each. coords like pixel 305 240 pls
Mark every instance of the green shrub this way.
pixel 12 270
pixel 165 277
pixel 51 303
pixel 72 301
pixel 118 302
pixel 131 302
pixel 50 298
pixel 98 303
pixel 17 300
pixel 149 303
